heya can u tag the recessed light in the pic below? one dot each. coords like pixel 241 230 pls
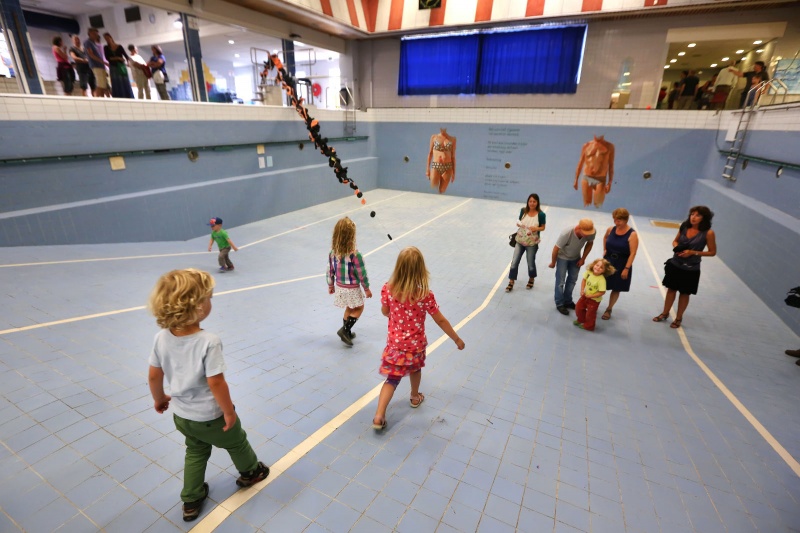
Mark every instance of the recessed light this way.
pixel 759 50
pixel 713 65
pixel 230 41
pixel 235 55
pixel 666 66
pixel 626 73
pixel 673 60
pixel 691 45
pixel 757 42
pixel 744 58
pixel 725 58
pixel 681 53
pixel 739 51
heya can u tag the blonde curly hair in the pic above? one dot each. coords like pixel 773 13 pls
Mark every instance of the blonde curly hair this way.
pixel 343 241
pixel 175 300
pixel 410 279
pixel 608 268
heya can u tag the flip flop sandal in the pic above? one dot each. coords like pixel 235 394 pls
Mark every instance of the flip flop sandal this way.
pixel 379 427
pixel 421 399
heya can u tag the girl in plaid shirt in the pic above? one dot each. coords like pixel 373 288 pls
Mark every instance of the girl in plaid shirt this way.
pixel 346 275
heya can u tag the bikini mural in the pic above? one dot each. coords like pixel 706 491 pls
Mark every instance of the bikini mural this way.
pixel 597 166
pixel 289 85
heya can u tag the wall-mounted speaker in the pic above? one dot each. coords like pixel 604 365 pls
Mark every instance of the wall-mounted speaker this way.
pixel 132 14
pixel 96 21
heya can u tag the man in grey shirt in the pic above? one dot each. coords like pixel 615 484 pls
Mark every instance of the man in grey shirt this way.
pixel 567 259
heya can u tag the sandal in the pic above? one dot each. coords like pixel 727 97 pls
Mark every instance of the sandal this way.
pixel 421 399
pixel 530 284
pixel 606 315
pixel 676 323
pixel 379 427
pixel 510 286
pixel 661 318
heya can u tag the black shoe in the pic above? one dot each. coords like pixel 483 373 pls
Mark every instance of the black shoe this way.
pixel 191 510
pixel 343 335
pixel 563 310
pixel 792 353
pixel 251 478
pixel 570 305
pixel 797 362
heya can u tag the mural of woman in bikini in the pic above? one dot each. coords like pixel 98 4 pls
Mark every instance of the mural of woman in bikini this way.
pixel 441 170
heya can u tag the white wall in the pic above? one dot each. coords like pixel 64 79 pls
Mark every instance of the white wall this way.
pixel 608 43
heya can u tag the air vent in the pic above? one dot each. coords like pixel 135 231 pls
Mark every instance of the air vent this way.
pixel 96 21
pixel 132 14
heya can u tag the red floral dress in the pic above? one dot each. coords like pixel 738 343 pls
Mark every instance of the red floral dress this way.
pixel 406 342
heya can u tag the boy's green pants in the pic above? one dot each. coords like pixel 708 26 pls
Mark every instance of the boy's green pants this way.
pixel 200 437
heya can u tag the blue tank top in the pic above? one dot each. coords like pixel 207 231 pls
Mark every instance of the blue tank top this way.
pixel 697 243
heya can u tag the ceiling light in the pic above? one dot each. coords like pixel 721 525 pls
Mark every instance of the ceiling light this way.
pixel 739 51
pixel 626 73
pixel 757 42
pixel 177 24
pixel 692 45
pixel 725 58
pixel 673 60
pixel 230 41
pixel 744 58
pixel 666 66
pixel 759 50
pixel 681 53
pixel 713 65
pixel 235 55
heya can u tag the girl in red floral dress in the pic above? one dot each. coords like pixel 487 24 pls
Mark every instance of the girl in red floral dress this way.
pixel 405 299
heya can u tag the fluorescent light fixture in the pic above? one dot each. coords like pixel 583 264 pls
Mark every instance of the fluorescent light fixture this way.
pixel 666 66
pixel 626 73
pixel 231 41
pixel 739 51
pixel 691 45
pixel 177 24
pixel 673 60
pixel 713 65
pixel 681 53
pixel 760 50
pixel 757 42
pixel 725 58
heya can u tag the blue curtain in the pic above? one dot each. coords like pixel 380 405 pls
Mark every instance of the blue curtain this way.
pixel 439 65
pixel 540 61
pixel 533 61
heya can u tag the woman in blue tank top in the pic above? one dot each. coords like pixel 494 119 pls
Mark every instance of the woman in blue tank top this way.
pixel 682 271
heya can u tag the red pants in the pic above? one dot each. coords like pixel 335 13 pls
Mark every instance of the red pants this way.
pixel 586 312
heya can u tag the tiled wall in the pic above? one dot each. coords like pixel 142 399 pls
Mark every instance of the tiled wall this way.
pixel 159 196
pixel 759 243
pixel 608 44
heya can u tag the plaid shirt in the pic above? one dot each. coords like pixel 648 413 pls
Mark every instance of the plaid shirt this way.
pixel 348 272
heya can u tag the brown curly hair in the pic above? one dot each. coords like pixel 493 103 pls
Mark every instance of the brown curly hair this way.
pixel 175 301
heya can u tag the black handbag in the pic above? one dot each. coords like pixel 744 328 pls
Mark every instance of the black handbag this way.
pixel 793 297
pixel 512 240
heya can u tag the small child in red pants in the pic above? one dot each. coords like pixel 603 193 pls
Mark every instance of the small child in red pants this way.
pixel 593 287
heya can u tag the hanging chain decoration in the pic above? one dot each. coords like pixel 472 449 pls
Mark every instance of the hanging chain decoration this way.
pixel 289 85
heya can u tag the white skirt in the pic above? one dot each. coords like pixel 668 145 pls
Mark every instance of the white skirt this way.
pixel 350 298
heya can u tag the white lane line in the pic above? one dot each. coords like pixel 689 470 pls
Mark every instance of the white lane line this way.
pixel 213 519
pixel 222 293
pixel 758 426
pixel 129 257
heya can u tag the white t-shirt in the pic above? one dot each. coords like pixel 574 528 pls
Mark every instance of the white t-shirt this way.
pixel 187 362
